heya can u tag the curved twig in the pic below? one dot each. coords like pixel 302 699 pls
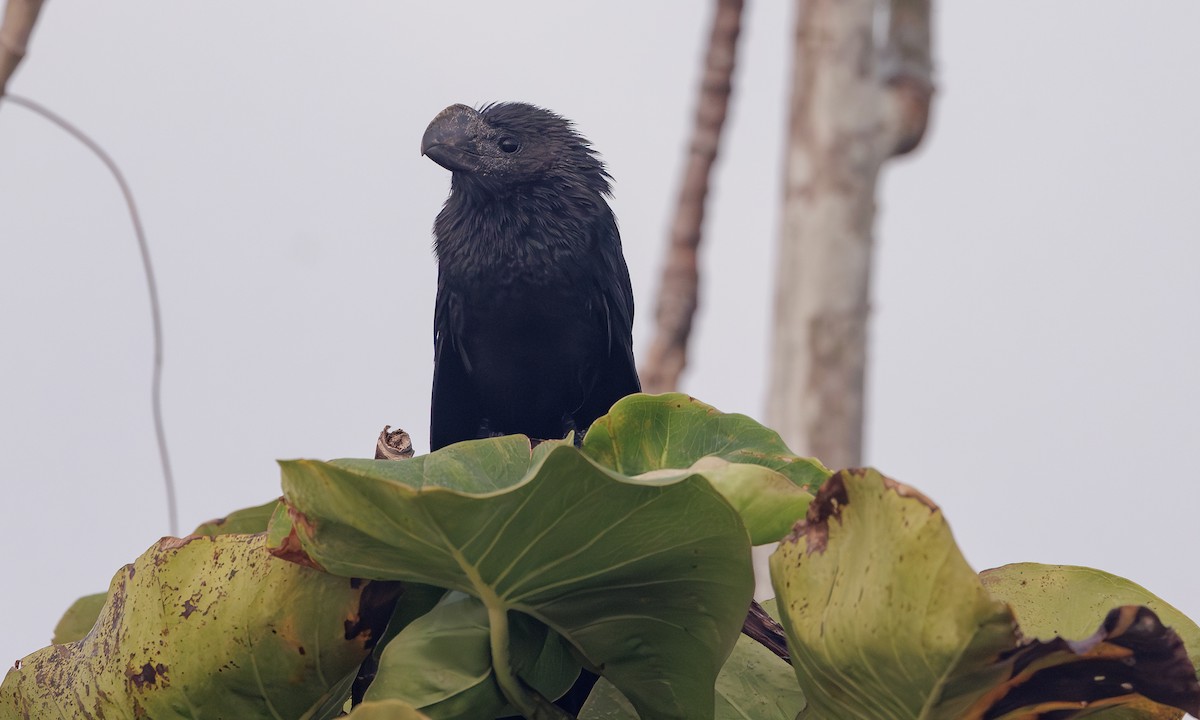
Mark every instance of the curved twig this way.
pixel 151 285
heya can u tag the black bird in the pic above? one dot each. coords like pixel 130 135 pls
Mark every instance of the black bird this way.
pixel 534 313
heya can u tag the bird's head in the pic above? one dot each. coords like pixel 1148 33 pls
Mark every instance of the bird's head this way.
pixel 507 144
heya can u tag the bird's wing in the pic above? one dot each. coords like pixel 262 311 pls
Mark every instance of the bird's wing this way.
pixel 455 412
pixel 617 376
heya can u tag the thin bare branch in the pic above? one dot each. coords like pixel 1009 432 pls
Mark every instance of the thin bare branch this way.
pixel 678 296
pixel 19 18
pixel 151 285
pixel 762 628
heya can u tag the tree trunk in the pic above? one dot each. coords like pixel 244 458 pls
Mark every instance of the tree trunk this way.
pixel 855 103
pixel 678 295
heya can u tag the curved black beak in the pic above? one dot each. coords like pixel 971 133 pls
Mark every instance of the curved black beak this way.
pixel 449 139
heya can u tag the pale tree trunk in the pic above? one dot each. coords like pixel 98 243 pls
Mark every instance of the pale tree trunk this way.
pixel 19 17
pixel 857 100
pixel 678 295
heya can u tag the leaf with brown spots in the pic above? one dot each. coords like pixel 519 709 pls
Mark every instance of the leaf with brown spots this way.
pixel 1132 658
pixel 204 627
pixel 1070 601
pixel 885 619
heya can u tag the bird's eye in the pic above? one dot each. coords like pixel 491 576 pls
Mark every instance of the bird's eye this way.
pixel 508 144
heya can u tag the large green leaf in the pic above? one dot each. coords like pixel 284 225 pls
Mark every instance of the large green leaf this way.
pixel 1070 601
pixel 649 580
pixel 203 628
pixel 387 710
pixel 754 684
pixel 441 662
pixel 415 600
pixel 651 432
pixel 885 619
pixel 658 436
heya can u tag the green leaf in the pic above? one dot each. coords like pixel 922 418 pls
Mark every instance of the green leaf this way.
pixel 885 619
pixel 649 581
pixel 766 500
pixel 245 521
pixel 203 627
pixel 78 620
pixel 387 710
pixel 607 703
pixel 441 662
pixel 754 684
pixel 659 436
pixel 415 600
pixel 651 432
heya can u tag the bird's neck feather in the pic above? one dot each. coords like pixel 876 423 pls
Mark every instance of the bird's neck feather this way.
pixel 530 223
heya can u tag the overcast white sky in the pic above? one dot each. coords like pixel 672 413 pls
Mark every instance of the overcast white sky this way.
pixel 1035 337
